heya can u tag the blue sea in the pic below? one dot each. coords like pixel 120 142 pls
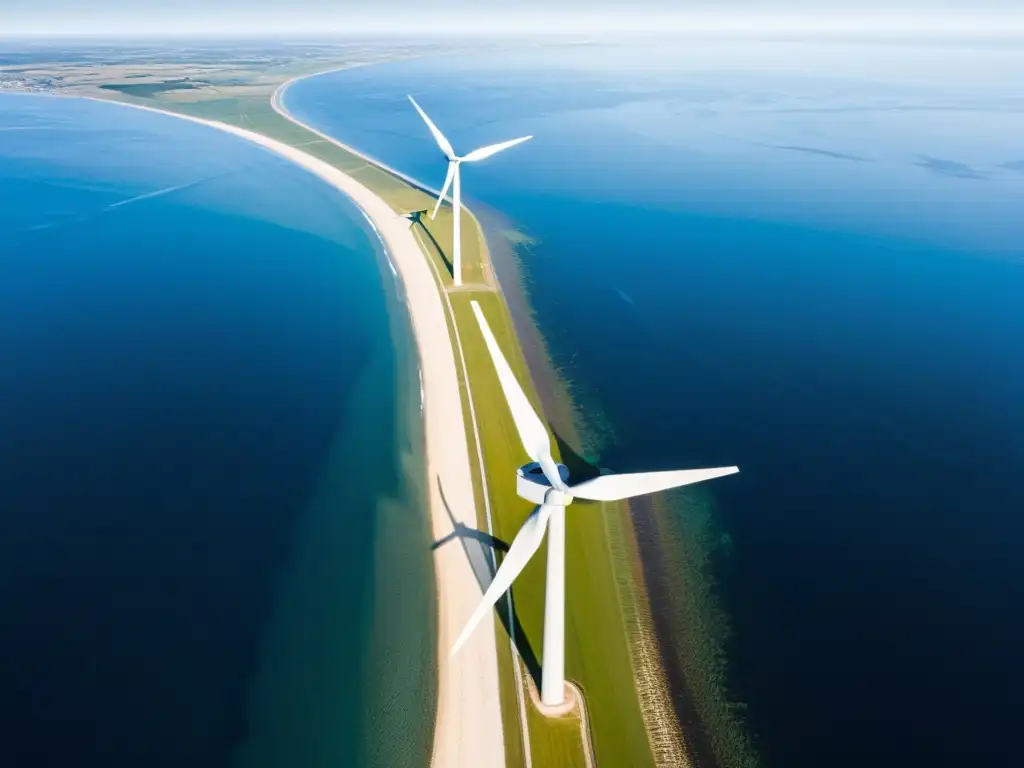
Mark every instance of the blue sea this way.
pixel 213 549
pixel 807 260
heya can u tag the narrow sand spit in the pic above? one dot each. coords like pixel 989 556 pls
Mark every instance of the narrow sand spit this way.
pixel 468 729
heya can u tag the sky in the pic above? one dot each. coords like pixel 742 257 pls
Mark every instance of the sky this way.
pixel 167 17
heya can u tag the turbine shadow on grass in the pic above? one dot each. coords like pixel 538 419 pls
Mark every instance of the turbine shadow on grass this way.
pixel 479 547
pixel 440 251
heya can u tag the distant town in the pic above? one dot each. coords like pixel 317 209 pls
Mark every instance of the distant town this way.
pixel 28 84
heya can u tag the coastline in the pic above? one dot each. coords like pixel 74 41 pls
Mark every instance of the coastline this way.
pixel 669 742
pixel 468 730
pixel 278 107
pixel 555 395
pixel 509 659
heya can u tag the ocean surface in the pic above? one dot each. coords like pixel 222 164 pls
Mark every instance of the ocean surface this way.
pixel 211 551
pixel 807 260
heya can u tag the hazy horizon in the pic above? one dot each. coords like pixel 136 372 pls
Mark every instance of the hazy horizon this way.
pixel 61 18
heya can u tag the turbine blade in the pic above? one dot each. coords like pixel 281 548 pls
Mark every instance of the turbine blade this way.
pixel 616 487
pixel 532 431
pixel 493 149
pixel 442 142
pixel 524 546
pixel 444 190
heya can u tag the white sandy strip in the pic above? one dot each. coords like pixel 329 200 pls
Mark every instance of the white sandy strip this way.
pixel 278 106
pixel 468 731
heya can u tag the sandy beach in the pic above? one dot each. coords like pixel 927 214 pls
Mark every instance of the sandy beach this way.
pixel 468 729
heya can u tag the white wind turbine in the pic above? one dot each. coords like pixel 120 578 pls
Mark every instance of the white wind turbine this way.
pixel 545 483
pixel 452 178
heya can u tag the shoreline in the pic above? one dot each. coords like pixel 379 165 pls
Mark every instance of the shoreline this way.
pixel 278 107
pixel 670 742
pixel 508 273
pixel 468 728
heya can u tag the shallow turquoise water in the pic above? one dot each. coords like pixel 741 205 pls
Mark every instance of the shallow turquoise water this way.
pixel 807 260
pixel 201 349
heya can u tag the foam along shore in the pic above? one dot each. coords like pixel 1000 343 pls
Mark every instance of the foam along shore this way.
pixel 468 729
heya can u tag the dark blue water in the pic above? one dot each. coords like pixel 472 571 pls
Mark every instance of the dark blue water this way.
pixel 807 260
pixel 196 350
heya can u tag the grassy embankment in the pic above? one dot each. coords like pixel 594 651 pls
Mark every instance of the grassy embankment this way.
pixel 597 653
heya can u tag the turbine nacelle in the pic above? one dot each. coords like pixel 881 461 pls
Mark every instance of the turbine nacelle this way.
pixel 533 485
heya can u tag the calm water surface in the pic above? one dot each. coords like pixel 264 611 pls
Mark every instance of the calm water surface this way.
pixel 198 355
pixel 809 261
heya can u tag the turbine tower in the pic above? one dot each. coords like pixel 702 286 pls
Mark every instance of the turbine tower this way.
pixel 546 483
pixel 452 179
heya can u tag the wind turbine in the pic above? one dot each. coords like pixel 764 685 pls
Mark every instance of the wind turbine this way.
pixel 452 179
pixel 545 483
